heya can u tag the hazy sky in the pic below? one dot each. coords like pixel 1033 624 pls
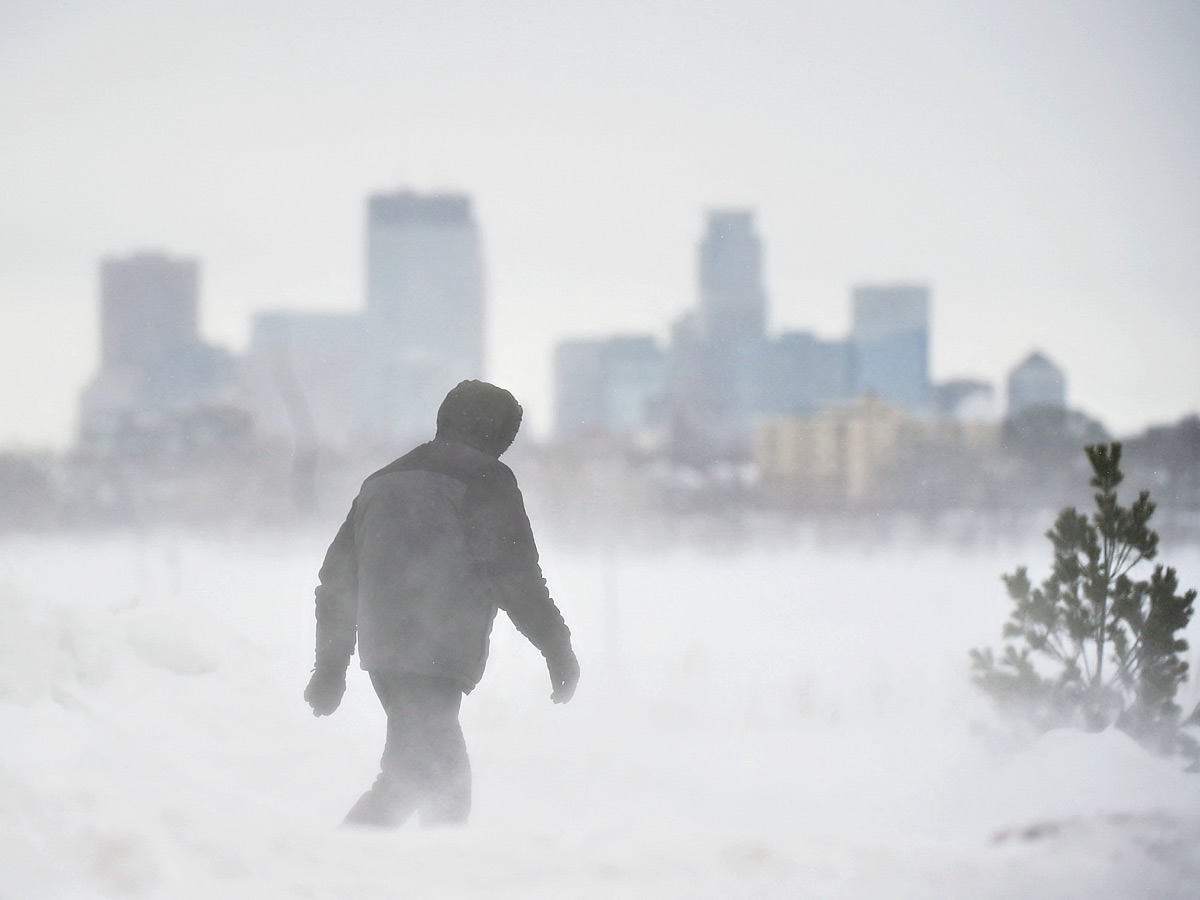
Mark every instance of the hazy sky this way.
pixel 1037 163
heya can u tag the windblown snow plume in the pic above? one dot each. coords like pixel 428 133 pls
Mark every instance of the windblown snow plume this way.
pixel 768 724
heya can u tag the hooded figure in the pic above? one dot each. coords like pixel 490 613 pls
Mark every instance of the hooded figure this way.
pixel 435 543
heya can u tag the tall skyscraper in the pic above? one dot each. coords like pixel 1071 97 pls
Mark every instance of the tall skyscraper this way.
pixel 717 356
pixel 148 309
pixel 733 304
pixel 425 308
pixel 153 362
pixel 890 337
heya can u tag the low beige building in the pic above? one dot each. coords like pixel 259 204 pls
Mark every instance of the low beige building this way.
pixel 844 453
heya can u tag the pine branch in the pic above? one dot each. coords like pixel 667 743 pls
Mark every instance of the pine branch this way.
pixel 1087 670
pixel 1141 556
pixel 1060 653
pixel 1129 667
pixel 1122 555
pixel 1134 669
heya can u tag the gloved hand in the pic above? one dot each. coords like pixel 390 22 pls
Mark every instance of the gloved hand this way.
pixel 325 689
pixel 564 674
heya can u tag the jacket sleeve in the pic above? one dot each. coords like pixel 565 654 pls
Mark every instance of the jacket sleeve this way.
pixel 337 599
pixel 506 556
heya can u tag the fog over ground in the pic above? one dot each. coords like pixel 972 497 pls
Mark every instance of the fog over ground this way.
pixel 783 722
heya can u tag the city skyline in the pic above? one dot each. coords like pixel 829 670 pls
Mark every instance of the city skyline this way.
pixel 870 306
pixel 1034 165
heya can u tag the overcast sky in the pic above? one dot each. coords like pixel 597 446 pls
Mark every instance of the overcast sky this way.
pixel 1037 163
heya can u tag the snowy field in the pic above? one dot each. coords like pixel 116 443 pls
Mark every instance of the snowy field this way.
pixel 792 723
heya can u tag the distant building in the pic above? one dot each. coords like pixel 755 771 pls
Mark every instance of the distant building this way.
pixel 890 336
pixel 324 379
pixel 718 353
pixel 965 399
pixel 425 309
pixel 804 373
pixel 724 373
pixel 610 387
pixel 733 303
pixel 149 306
pixel 836 455
pixel 1036 382
pixel 849 452
pixel 153 362
pixel 301 377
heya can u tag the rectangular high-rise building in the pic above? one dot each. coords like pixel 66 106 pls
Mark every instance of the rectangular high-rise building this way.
pixel 804 373
pixel 425 308
pixel 890 337
pixel 733 303
pixel 148 309
pixel 717 367
pixel 153 362
pixel 607 387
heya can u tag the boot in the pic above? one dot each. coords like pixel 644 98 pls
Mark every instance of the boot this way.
pixel 385 805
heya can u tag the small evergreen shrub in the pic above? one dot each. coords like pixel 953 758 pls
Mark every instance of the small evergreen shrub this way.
pixel 1092 646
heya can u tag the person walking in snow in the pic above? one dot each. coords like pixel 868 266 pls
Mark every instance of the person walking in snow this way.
pixel 434 544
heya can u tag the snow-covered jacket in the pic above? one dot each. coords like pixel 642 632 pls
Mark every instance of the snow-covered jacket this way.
pixel 433 545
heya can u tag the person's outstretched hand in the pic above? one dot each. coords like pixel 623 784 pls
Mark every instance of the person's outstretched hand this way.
pixel 564 675
pixel 325 690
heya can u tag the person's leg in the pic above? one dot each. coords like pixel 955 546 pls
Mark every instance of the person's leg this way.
pixel 394 795
pixel 446 770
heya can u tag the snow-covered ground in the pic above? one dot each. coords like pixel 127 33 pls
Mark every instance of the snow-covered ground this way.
pixel 792 722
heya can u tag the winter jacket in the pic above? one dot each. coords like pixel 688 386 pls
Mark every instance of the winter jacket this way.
pixel 434 544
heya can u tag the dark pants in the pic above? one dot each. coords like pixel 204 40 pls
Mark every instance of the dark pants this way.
pixel 424 767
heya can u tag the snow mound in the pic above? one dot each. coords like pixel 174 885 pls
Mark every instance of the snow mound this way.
pixel 54 649
pixel 176 640
pixel 1067 772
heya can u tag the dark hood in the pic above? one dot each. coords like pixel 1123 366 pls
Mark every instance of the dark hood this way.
pixel 479 415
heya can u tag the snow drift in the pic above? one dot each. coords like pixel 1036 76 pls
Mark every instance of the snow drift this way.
pixel 793 722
